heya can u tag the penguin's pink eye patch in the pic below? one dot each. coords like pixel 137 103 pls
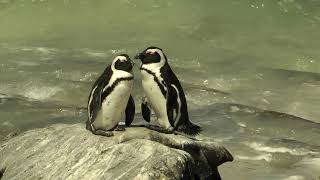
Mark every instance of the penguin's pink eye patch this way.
pixel 150 52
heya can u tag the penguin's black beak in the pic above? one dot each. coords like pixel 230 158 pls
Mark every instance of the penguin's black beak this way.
pixel 139 56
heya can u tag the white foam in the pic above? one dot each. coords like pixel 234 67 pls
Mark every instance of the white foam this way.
pixel 41 93
pixel 295 177
pixel 42 50
pixel 75 75
pixel 117 51
pixel 234 109
pixel 96 54
pixel 3 96
pixel 27 63
pixel 267 157
pixel 88 76
pixel 243 125
pixel 261 147
pixel 8 124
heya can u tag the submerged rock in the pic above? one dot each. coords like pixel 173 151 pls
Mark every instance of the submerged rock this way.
pixel 71 152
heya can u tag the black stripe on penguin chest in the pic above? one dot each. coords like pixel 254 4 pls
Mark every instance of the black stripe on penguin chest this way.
pixel 161 84
pixel 111 88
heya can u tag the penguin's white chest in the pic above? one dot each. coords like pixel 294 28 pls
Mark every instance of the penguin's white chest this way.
pixel 155 97
pixel 114 105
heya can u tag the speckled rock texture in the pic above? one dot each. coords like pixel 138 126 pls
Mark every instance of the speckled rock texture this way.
pixel 71 152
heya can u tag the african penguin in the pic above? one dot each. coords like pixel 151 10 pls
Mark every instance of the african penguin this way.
pixel 163 94
pixel 110 98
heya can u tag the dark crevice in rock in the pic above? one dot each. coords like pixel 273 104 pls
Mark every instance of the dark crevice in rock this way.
pixel 187 172
pixel 2 172
pixel 215 175
pixel 203 154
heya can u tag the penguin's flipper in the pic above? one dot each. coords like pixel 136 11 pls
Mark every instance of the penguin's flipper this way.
pixel 95 97
pixel 130 111
pixel 172 104
pixel 145 109
pixel 94 103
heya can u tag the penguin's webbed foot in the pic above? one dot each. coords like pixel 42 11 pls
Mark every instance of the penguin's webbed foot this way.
pixel 160 129
pixel 103 133
pixel 119 128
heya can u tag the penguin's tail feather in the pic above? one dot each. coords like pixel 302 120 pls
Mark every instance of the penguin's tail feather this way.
pixel 190 129
pixel 88 126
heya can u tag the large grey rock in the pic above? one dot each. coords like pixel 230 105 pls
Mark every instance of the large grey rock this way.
pixel 71 152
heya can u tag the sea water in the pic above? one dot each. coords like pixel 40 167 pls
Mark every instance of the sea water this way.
pixel 250 70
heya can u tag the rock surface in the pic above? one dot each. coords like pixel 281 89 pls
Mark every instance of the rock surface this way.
pixel 71 152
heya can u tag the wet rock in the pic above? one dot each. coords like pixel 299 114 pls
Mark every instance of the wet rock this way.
pixel 7 130
pixel 71 152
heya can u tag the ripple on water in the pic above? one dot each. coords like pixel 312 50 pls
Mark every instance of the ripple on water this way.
pixel 296 151
pixel 42 50
pixel 27 63
pixel 41 93
pixel 75 75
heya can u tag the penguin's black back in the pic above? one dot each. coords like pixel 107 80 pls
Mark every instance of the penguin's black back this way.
pixel 185 125
pixel 100 83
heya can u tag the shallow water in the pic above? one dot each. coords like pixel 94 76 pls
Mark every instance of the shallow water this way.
pixel 234 59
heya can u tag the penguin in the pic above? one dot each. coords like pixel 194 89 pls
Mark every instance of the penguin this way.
pixel 110 98
pixel 163 94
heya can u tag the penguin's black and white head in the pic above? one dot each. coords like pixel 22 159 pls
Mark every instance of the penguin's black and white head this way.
pixel 152 56
pixel 122 63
